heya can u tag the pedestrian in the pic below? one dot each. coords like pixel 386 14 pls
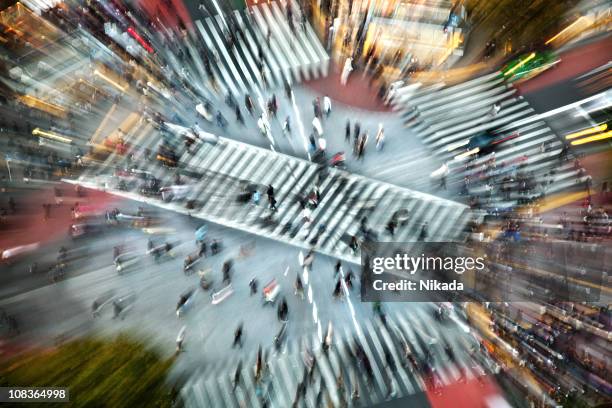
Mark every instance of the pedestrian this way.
pixel 248 103
pixel 380 137
pixel 238 336
pixel 239 117
pixel 227 269
pixel 270 192
pixel 354 244
pixel 273 204
pixel 288 90
pixel 347 133
pixel 346 71
pixel 338 289
pixel 348 279
pixel 256 197
pixel 357 131
pixel 253 286
pixel 237 375
pixel 221 122
pixel 283 310
pixel 180 339
pixel 423 234
pixel 327 107
pixel 287 126
pixel 337 268
pixel 202 249
pixel 299 287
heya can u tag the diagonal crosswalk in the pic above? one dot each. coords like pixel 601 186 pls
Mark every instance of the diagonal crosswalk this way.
pixel 339 371
pixel 219 174
pixel 524 160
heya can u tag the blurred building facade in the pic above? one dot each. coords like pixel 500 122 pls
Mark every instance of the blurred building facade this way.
pixel 401 36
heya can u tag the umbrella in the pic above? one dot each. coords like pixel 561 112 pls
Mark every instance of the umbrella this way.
pixel 201 233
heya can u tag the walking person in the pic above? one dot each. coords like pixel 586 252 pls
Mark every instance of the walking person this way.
pixel 380 137
pixel 248 103
pixel 237 375
pixel 348 279
pixel 338 289
pixel 346 71
pixel 253 286
pixel 180 339
pixel 299 287
pixel 238 336
pixel 327 107
pixel 337 268
pixel 347 132
pixel 287 126
pixel 239 117
pixel 357 131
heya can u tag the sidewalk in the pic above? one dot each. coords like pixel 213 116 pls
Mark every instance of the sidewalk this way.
pixel 28 225
pixel 356 93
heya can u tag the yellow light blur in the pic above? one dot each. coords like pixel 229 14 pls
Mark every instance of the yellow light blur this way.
pixel 110 81
pixel 564 30
pixel 51 135
pixel 594 138
pixel 457 145
pixel 523 62
pixel 466 154
pixel 589 131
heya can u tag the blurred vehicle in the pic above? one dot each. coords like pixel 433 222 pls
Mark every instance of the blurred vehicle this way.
pixel 528 66
pixel 88 211
pixel 10 254
pixel 88 228
pixel 167 156
pixel 136 221
pixel 486 142
pixel 178 192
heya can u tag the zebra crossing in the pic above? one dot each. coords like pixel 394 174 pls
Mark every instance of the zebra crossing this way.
pixel 220 173
pixel 527 152
pixel 265 51
pixel 338 371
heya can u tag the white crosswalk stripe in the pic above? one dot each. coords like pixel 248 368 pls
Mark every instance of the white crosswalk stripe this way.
pixel 262 36
pixel 380 343
pixel 522 149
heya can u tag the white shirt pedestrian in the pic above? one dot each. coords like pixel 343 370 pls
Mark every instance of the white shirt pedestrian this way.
pixel 180 339
pixel 327 105
pixel 346 71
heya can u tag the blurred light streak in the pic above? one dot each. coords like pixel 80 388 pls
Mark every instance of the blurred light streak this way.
pixel 103 123
pixel 466 154
pixel 595 138
pixel 454 146
pixel 110 81
pixel 140 40
pixel 564 30
pixel 51 135
pixel 553 112
pixel 520 64
pixel 36 103
pixel 588 131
